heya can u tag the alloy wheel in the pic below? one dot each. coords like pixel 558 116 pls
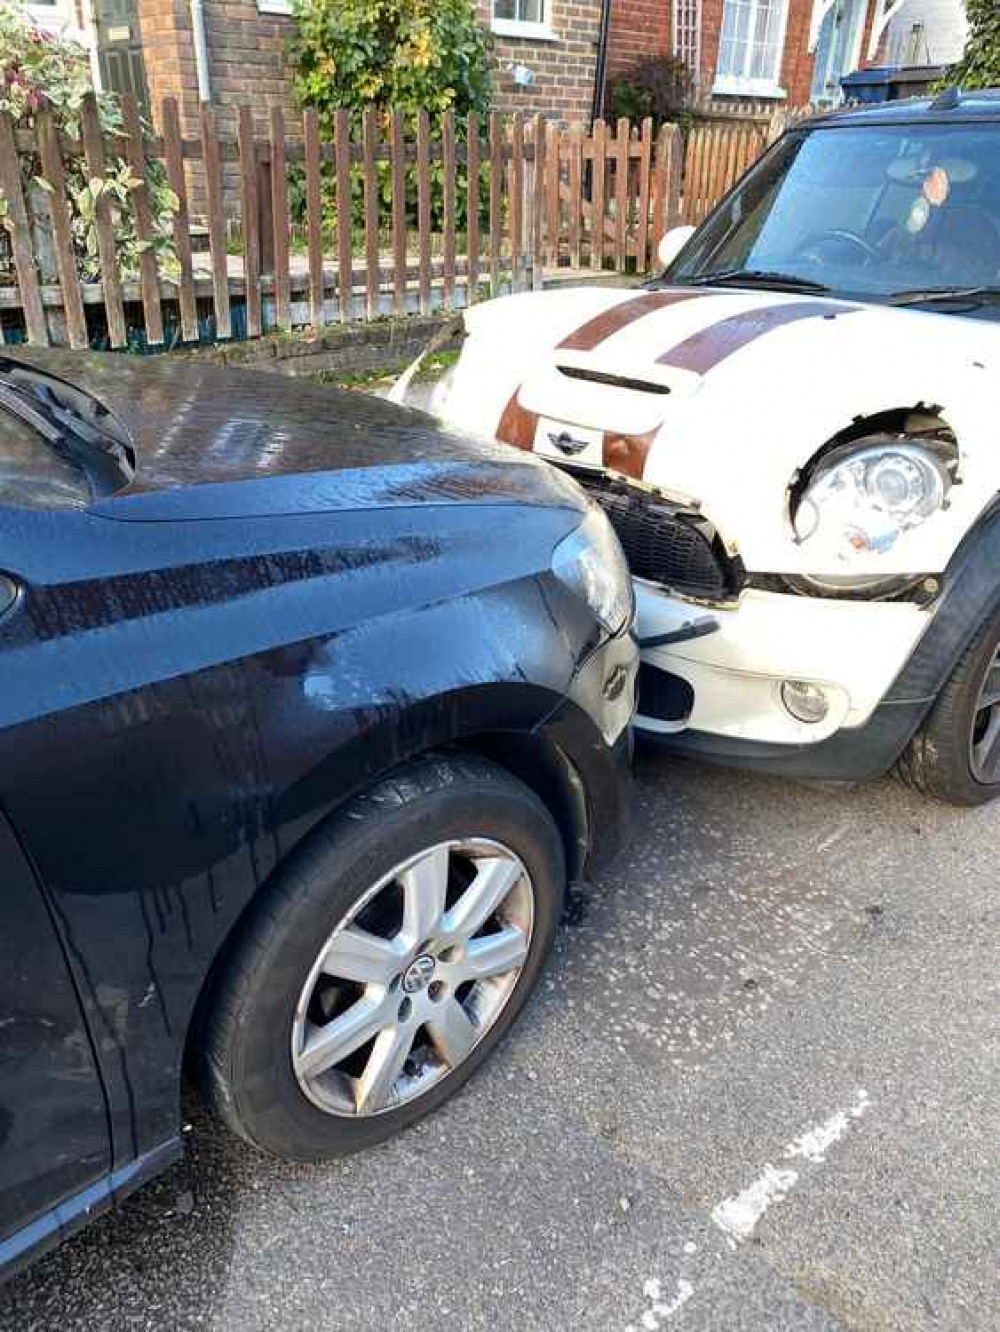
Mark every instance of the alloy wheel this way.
pixel 413 978
pixel 984 741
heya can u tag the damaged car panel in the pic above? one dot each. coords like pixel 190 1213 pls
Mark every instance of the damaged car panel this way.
pixel 308 706
pixel 792 433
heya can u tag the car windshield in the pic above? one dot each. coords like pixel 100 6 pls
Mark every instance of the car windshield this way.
pixel 58 448
pixel 899 212
pixel 33 475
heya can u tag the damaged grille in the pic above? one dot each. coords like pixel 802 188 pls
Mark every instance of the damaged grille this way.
pixel 663 542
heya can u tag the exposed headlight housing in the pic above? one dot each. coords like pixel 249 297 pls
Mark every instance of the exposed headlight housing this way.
pixel 590 562
pixel 860 499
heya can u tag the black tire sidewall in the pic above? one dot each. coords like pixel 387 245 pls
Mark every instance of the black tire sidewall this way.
pixel 938 761
pixel 317 891
pixel 979 656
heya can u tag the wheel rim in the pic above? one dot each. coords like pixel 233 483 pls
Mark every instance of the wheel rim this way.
pixel 413 978
pixel 984 741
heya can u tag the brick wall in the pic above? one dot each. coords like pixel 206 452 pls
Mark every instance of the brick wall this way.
pixel 711 27
pixel 563 69
pixel 246 56
pixel 797 62
pixel 639 28
pixel 168 55
pixel 247 66
pixel 246 51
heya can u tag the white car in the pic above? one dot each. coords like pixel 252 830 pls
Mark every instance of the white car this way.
pixel 796 434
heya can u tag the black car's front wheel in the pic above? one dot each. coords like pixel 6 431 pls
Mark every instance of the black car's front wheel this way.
pixel 955 756
pixel 387 961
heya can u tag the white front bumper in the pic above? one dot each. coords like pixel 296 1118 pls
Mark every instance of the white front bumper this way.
pixel 853 649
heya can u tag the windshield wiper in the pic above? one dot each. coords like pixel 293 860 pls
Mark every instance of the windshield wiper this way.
pixel 758 277
pixel 946 296
pixel 103 459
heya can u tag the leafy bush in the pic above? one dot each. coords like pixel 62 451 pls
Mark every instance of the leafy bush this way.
pixel 39 72
pixel 658 86
pixel 980 64
pixel 396 55
pixel 399 55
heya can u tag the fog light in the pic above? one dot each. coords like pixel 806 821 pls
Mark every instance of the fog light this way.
pixel 806 702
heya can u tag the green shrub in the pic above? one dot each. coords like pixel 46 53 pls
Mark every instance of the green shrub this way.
pixel 980 64
pixel 39 72
pixel 396 55
pixel 658 86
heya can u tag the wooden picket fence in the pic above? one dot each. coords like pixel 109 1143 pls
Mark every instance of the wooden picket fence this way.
pixel 560 197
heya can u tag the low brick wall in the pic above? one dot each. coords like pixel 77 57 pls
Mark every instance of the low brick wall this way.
pixel 353 349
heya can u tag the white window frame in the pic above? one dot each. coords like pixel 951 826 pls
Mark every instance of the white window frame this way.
pixel 740 85
pixel 679 28
pixel 535 32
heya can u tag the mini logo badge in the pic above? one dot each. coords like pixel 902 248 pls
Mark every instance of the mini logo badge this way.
pixel 566 444
pixel 418 974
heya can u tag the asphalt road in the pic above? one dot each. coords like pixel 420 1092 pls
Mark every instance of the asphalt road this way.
pixel 760 1088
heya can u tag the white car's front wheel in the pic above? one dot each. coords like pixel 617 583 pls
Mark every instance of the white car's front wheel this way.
pixel 955 756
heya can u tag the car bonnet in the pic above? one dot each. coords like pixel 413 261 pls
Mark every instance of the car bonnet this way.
pixel 206 437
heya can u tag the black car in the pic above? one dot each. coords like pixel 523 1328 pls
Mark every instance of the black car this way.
pixel 309 711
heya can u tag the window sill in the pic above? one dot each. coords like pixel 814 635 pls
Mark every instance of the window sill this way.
pixel 725 86
pixel 529 32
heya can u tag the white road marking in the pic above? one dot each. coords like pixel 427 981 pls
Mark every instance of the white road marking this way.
pixel 739 1215
pixel 660 1310
pixel 813 1146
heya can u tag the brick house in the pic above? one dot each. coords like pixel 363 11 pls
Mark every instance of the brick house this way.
pixel 788 52
pixel 545 52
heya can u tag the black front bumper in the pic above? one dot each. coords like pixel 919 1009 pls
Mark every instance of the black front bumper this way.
pixel 592 732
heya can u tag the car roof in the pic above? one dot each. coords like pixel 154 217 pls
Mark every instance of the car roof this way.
pixel 949 108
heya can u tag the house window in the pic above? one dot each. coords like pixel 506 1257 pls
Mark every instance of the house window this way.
pixel 750 48
pixel 523 18
pixel 687 34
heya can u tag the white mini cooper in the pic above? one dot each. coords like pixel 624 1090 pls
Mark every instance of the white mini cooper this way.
pixel 796 434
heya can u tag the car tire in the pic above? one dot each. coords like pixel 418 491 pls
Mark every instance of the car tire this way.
pixel 941 761
pixel 348 907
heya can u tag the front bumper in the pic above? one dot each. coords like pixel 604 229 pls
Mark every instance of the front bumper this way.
pixel 592 731
pixel 730 694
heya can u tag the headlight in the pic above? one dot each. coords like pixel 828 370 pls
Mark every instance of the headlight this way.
pixel 591 563
pixel 861 503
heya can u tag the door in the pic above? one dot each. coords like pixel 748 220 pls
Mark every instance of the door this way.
pixel 119 49
pixel 53 1116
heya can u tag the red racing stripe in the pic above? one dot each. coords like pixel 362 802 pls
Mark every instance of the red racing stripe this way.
pixel 605 325
pixel 704 350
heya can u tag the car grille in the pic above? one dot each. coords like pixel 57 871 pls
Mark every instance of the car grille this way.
pixel 664 542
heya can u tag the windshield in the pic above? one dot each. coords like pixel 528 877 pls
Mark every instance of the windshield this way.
pixel 867 213
pixel 33 475
pixel 59 448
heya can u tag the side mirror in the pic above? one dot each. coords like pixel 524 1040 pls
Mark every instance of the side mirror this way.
pixel 672 244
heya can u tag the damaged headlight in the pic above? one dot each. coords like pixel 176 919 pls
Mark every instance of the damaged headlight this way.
pixel 859 502
pixel 590 562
